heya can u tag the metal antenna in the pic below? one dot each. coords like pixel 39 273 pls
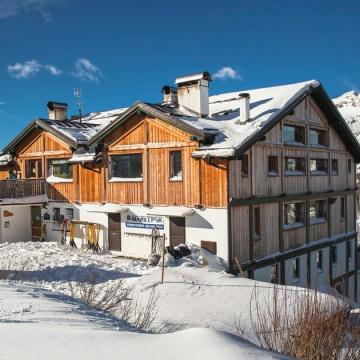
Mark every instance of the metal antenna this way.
pixel 77 95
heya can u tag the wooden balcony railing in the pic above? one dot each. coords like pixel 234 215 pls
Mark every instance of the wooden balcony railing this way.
pixel 21 188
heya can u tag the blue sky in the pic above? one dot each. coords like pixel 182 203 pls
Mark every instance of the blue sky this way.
pixel 118 52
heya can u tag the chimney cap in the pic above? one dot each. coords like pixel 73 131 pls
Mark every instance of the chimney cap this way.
pixel 55 104
pixel 244 95
pixel 168 89
pixel 205 75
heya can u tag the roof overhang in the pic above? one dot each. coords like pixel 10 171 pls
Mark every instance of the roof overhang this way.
pixel 108 208
pixel 38 123
pixel 176 211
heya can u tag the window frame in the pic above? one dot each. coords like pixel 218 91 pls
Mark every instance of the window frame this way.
pixel 245 174
pixel 294 142
pixel 38 168
pixel 59 178
pixel 320 260
pixel 324 134
pixel 173 177
pixel 318 219
pixel 342 209
pixel 271 160
pixel 337 167
pixel 113 178
pixel 257 223
pixel 289 172
pixel 334 255
pixel 296 269
pixel 299 222
pixel 318 172
pixel 349 166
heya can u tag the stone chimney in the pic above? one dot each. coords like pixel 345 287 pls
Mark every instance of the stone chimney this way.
pixel 244 108
pixel 57 110
pixel 170 94
pixel 193 93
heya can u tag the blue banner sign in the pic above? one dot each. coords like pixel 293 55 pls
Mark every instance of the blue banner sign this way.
pixel 144 222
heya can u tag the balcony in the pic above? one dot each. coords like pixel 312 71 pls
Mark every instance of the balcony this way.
pixel 22 188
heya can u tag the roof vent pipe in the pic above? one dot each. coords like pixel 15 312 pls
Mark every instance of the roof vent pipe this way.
pixel 170 94
pixel 244 108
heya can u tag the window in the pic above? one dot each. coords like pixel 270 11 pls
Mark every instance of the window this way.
pixel 342 209
pixel 273 166
pixel 257 223
pixel 56 214
pixel 60 168
pixel 294 166
pixel 317 211
pixel 294 215
pixel 127 166
pixel 294 135
pixel 348 250
pixel 245 166
pixel 319 260
pixel 275 271
pixel 69 214
pixel 296 269
pixel 318 166
pixel 317 137
pixel 333 254
pixel 334 167
pixel 33 168
pixel 349 166
pixel 175 165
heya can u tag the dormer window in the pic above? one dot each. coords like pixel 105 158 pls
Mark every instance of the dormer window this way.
pixel 294 135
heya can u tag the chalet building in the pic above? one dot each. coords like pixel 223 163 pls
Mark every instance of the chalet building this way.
pixel 264 178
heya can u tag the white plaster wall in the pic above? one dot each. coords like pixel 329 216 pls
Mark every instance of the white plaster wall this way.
pixel 208 224
pixel 319 279
pixel 19 224
pixel 302 281
pixel 339 268
pixel 263 274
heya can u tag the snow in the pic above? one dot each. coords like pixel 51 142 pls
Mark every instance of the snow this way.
pixel 38 320
pixel 265 104
pixel 82 155
pixel 120 179
pixel 5 159
pixel 56 179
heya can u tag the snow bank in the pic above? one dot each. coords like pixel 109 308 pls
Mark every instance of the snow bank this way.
pixel 36 324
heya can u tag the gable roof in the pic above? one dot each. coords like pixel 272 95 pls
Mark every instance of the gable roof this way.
pixel 231 138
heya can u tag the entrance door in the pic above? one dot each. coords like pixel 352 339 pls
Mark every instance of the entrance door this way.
pixel 114 226
pixel 36 221
pixel 177 230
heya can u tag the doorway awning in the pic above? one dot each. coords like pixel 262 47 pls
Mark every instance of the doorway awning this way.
pixel 175 211
pixel 109 208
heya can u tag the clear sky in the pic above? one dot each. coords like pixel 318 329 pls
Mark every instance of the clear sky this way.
pixel 118 52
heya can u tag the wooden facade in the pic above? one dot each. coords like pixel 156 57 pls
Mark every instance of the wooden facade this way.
pixel 202 183
pixel 270 191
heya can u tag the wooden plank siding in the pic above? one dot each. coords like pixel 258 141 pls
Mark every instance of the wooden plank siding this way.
pixel 259 184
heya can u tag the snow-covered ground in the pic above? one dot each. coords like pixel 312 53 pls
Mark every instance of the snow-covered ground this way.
pixel 38 319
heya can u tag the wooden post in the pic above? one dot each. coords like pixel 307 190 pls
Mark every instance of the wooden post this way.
pixel 162 258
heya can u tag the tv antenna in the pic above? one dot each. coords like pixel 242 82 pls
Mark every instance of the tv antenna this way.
pixel 77 95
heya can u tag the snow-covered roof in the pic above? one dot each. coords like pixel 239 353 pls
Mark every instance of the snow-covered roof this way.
pixel 224 114
pixel 5 159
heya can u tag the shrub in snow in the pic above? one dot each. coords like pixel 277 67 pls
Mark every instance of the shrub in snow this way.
pixel 304 324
